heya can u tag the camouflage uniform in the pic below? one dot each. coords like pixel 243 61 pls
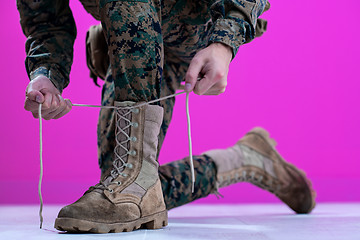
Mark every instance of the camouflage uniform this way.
pixel 150 45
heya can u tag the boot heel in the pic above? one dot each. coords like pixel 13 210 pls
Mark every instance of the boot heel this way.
pixel 159 220
pixel 265 134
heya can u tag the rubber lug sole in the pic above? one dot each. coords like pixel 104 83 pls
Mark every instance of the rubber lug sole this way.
pixel 155 221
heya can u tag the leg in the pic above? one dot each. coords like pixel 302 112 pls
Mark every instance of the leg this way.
pixel 183 38
pixel 175 176
pixel 254 159
pixel 185 30
pixel 176 180
pixel 135 46
pixel 133 33
pixel 129 195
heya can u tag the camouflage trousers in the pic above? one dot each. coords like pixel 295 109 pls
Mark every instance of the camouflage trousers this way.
pixel 150 47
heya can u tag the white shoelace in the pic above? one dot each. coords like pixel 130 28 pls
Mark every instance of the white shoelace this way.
pixel 113 107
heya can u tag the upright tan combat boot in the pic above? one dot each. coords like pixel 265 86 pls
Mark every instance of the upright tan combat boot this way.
pixel 254 159
pixel 129 196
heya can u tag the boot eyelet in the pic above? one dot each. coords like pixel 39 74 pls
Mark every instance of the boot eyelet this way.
pixel 129 165
pixel 133 139
pixel 124 175
pixel 111 191
pixel 136 110
pixel 119 183
pixel 132 153
pixel 135 124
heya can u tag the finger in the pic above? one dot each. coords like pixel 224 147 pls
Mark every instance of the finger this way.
pixel 202 86
pixel 35 95
pixel 193 73
pixel 53 110
pixel 66 110
pixel 35 115
pixel 53 106
pixel 215 79
pixel 57 108
pixel 217 89
pixel 32 100
pixel 30 105
pixel 47 101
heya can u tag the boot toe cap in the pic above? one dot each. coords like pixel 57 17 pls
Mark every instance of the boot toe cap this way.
pixel 70 212
pixel 101 212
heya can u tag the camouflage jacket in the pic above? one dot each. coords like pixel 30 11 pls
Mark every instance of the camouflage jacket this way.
pixel 50 30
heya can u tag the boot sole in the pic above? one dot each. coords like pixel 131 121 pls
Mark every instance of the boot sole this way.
pixel 311 194
pixel 155 221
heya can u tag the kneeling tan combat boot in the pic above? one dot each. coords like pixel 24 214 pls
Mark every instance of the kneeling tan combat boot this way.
pixel 129 196
pixel 254 159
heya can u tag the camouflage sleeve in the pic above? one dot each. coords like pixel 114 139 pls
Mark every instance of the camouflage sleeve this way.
pixel 50 30
pixel 235 21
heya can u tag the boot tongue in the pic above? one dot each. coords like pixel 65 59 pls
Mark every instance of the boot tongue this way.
pixel 108 180
pixel 105 180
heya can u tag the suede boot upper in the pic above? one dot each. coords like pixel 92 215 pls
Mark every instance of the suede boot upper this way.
pixel 129 195
pixel 254 159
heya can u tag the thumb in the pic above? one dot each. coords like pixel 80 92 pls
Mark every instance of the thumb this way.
pixel 35 96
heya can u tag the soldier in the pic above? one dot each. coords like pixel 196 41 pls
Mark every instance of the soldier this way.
pixel 152 46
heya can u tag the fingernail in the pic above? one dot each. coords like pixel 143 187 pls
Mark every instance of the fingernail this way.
pixel 68 102
pixel 187 87
pixel 38 99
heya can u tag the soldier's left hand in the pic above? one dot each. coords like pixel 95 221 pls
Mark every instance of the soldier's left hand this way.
pixel 211 65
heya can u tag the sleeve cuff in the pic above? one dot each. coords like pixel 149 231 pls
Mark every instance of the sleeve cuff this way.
pixel 228 32
pixel 51 72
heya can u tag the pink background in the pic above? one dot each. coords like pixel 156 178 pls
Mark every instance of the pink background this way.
pixel 300 81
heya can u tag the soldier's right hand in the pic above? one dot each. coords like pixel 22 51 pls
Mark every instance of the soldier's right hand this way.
pixel 42 90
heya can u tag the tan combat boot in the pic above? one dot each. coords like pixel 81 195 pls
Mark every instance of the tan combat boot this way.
pixel 129 196
pixel 254 159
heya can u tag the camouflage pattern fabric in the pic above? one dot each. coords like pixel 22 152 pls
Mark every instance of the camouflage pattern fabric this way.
pixel 50 27
pixel 133 33
pixel 50 30
pixel 176 180
pixel 151 44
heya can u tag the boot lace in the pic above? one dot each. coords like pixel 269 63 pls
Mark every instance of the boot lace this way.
pixel 121 150
pixel 118 169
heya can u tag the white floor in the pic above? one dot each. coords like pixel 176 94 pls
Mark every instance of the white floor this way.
pixel 240 222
